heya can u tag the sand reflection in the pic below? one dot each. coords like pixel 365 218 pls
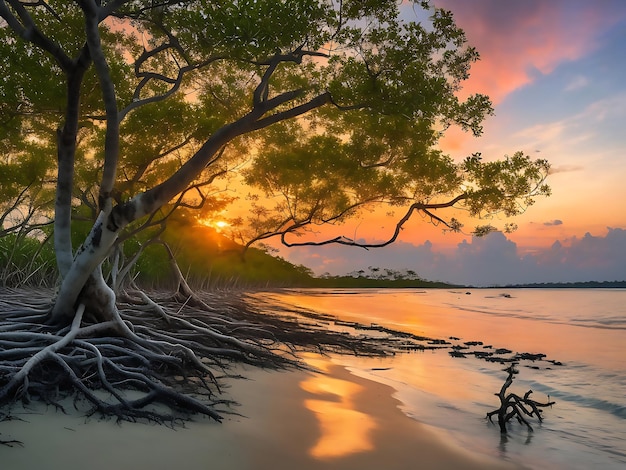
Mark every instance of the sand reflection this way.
pixel 344 429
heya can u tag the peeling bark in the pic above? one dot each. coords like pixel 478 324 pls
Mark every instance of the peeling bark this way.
pixel 88 258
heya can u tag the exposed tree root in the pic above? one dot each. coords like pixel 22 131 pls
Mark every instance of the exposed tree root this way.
pixel 514 406
pixel 157 359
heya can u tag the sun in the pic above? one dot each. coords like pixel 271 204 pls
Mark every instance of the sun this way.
pixel 216 224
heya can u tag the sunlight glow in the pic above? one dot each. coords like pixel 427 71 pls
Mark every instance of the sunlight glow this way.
pixel 216 224
pixel 221 224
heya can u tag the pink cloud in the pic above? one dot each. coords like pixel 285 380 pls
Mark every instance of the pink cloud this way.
pixel 518 40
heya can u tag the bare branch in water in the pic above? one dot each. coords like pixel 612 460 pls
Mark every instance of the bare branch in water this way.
pixel 514 406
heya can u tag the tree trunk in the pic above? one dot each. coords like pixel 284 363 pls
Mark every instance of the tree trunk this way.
pixel 66 150
pixel 87 261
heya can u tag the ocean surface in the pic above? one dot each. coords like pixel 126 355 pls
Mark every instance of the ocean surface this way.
pixel 581 331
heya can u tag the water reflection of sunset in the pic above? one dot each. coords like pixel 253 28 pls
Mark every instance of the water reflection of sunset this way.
pixel 344 429
pixel 442 313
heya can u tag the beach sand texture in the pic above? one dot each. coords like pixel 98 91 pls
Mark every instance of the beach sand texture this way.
pixel 291 420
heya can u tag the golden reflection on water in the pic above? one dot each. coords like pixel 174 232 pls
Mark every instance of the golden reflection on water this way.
pixel 517 324
pixel 344 429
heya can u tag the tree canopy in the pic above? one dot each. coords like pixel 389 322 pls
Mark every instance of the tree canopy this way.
pixel 329 107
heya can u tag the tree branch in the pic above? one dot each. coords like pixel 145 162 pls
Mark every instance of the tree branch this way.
pixel 29 32
pixel 296 111
pixel 261 92
pixel 342 240
pixel 175 82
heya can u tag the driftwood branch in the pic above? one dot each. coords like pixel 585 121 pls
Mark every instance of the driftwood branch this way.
pixel 514 406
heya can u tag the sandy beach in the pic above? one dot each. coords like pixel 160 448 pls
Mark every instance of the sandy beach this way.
pixel 290 419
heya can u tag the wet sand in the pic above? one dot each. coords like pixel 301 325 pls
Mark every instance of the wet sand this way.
pixel 292 420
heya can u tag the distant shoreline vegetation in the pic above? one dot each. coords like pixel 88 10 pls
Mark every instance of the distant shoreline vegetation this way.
pixel 365 282
pixel 376 277
pixel 570 285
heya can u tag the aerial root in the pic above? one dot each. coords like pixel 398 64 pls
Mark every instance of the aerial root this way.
pixel 127 382
pixel 21 377
pixel 167 367
pixel 132 377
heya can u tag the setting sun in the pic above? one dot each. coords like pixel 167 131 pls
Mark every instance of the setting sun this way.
pixel 221 224
pixel 217 224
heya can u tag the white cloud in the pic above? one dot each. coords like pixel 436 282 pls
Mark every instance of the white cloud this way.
pixel 610 108
pixel 490 260
pixel 594 134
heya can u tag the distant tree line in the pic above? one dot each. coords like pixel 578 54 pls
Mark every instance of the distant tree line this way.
pixel 573 285
pixel 380 278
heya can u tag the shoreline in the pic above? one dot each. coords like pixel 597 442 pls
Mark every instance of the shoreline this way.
pixel 287 419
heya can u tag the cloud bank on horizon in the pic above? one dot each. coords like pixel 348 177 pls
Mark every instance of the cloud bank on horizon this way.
pixel 487 261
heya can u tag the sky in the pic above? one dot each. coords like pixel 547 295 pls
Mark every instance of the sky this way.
pixel 556 73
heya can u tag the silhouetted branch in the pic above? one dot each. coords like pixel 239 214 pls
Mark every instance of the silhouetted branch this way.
pixel 426 208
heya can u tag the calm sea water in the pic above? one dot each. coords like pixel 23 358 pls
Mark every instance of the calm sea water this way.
pixel 584 329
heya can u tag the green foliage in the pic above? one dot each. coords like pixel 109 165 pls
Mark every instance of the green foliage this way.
pixel 210 260
pixel 379 278
pixel 26 261
pixel 509 185
pixel 148 160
